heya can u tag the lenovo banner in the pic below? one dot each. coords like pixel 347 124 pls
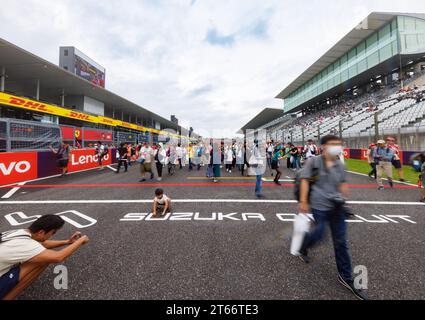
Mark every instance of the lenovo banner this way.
pixel 86 159
pixel 17 167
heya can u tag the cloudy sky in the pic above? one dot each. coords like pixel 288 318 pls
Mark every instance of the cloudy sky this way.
pixel 213 63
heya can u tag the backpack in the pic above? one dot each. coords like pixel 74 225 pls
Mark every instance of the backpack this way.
pixel 314 177
pixel 5 234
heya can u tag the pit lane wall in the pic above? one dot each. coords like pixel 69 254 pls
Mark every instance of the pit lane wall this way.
pixel 18 167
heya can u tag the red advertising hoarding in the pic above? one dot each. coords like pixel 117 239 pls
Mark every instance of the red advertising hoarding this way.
pixel 92 135
pixel 17 167
pixel 346 153
pixel 86 159
pixel 68 133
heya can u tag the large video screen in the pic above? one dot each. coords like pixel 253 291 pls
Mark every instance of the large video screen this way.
pixel 87 71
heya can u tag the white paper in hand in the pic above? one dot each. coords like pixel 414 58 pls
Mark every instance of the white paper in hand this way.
pixel 302 224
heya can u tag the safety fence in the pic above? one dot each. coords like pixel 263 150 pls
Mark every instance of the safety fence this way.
pixel 22 135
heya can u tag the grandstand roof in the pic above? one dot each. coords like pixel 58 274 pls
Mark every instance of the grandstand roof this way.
pixel 24 68
pixel 264 117
pixel 375 21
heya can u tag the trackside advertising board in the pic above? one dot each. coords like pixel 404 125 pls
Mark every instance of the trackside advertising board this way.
pixel 17 167
pixel 86 159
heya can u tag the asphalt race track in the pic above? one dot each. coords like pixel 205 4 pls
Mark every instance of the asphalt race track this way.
pixel 219 243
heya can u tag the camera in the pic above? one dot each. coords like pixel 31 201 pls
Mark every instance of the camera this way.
pixel 338 201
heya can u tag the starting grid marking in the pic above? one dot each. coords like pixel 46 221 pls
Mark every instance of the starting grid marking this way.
pixel 390 203
pixel 83 221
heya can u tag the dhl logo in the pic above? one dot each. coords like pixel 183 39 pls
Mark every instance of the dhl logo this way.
pixel 107 121
pixel 28 104
pixel 80 116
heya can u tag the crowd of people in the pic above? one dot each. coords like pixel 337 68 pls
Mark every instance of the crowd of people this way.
pixel 320 189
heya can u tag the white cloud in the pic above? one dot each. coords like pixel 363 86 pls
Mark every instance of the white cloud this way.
pixel 156 55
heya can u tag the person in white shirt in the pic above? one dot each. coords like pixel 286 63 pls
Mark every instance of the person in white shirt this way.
pixel 179 153
pixel 310 150
pixel 229 158
pixel 26 253
pixel 161 203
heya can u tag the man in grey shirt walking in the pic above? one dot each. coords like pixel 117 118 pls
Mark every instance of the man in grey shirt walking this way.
pixel 323 190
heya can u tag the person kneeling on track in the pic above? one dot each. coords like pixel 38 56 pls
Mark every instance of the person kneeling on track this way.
pixel 26 253
pixel 161 203
pixel 326 199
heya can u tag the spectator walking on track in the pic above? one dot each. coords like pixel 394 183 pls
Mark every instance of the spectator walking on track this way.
pixel 275 164
pixel 421 183
pixel 396 161
pixel 257 167
pixel 383 156
pixel 101 151
pixel 326 199
pixel 122 157
pixel 159 157
pixel 62 157
pixel 145 160
pixel 25 254
pixel 310 150
pixel 371 160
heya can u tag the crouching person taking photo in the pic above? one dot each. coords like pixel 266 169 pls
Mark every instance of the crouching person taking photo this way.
pixel 323 190
pixel 26 253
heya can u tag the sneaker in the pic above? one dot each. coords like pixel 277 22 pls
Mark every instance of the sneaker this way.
pixel 359 294
pixel 277 182
pixel 380 188
pixel 230 171
pixel 143 180
pixel 391 183
pixel 260 196
pixel 304 257
pixel 423 200
pixel 402 180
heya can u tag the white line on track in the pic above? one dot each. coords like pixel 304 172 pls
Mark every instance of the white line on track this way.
pixel 113 169
pixel 280 180
pixel 390 203
pixel 13 191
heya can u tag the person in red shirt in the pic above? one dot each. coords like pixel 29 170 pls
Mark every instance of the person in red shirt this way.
pixel 396 162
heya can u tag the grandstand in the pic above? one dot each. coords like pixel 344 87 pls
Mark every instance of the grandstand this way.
pixel 370 84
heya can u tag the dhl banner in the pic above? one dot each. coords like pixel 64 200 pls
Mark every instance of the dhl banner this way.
pixel 27 104
pixel 24 103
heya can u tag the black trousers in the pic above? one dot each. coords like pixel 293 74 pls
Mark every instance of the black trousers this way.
pixel 159 167
pixel 120 163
